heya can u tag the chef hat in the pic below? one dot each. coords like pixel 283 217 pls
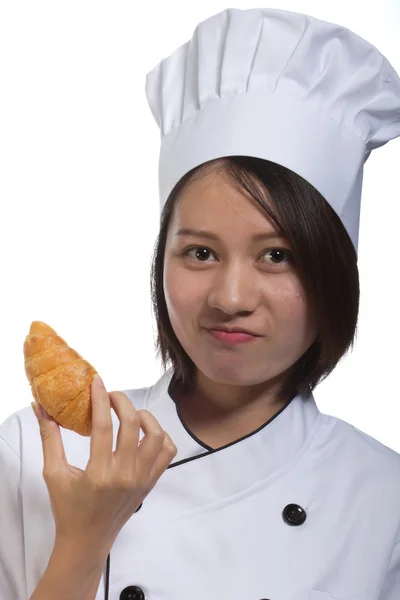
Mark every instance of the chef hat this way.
pixel 282 86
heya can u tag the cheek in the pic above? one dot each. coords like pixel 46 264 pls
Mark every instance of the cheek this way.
pixel 298 320
pixel 285 291
pixel 288 304
pixel 181 295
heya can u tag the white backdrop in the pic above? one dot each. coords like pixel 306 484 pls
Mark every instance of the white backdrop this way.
pixel 79 196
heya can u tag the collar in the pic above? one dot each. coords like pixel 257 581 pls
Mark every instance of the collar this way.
pixel 271 449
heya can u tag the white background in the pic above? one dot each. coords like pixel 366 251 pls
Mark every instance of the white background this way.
pixel 79 196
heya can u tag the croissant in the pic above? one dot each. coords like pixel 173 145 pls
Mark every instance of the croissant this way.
pixel 59 377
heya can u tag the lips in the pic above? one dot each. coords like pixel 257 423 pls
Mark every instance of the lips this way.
pixel 239 330
pixel 230 337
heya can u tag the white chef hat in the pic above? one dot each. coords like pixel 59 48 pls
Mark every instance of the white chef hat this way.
pixel 282 86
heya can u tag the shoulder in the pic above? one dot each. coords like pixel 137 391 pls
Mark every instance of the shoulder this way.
pixel 363 456
pixel 376 450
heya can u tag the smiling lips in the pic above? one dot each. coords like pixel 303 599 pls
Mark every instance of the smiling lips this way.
pixel 232 337
pixel 233 330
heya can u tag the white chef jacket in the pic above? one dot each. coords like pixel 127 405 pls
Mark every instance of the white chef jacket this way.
pixel 307 507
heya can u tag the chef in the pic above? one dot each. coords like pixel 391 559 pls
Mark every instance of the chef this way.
pixel 267 497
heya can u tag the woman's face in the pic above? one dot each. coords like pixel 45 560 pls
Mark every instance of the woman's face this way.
pixel 233 281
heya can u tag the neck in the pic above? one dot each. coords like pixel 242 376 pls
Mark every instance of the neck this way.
pixel 212 402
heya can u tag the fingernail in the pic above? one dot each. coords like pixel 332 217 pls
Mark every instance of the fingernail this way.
pixel 38 410
pixel 98 381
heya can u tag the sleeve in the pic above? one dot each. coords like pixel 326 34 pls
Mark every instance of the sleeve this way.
pixel 13 584
pixel 391 585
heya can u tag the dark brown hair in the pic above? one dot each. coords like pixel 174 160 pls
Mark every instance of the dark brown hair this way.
pixel 324 256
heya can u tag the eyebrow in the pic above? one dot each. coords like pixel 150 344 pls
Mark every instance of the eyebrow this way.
pixel 212 236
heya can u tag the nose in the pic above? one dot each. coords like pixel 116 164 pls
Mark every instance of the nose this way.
pixel 234 290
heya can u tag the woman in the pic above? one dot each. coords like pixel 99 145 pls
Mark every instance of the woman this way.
pixel 241 487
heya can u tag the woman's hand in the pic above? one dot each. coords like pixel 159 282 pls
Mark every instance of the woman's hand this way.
pixel 92 506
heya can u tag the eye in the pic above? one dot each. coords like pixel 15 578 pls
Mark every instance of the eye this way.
pixel 276 252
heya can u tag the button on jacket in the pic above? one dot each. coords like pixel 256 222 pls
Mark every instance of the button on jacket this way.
pixel 307 507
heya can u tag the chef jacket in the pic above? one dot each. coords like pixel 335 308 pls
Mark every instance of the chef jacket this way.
pixel 306 507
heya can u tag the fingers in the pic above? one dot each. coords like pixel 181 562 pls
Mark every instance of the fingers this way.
pixel 151 445
pixel 144 462
pixel 163 460
pixel 128 432
pixel 53 448
pixel 101 439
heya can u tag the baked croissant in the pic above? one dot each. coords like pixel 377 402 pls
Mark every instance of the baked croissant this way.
pixel 59 377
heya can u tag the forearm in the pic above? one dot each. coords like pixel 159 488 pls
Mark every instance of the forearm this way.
pixel 73 573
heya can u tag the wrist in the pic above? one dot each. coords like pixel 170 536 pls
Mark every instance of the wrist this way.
pixel 79 551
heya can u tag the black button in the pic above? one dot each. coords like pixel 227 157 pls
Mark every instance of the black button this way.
pixel 293 514
pixel 138 508
pixel 132 592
